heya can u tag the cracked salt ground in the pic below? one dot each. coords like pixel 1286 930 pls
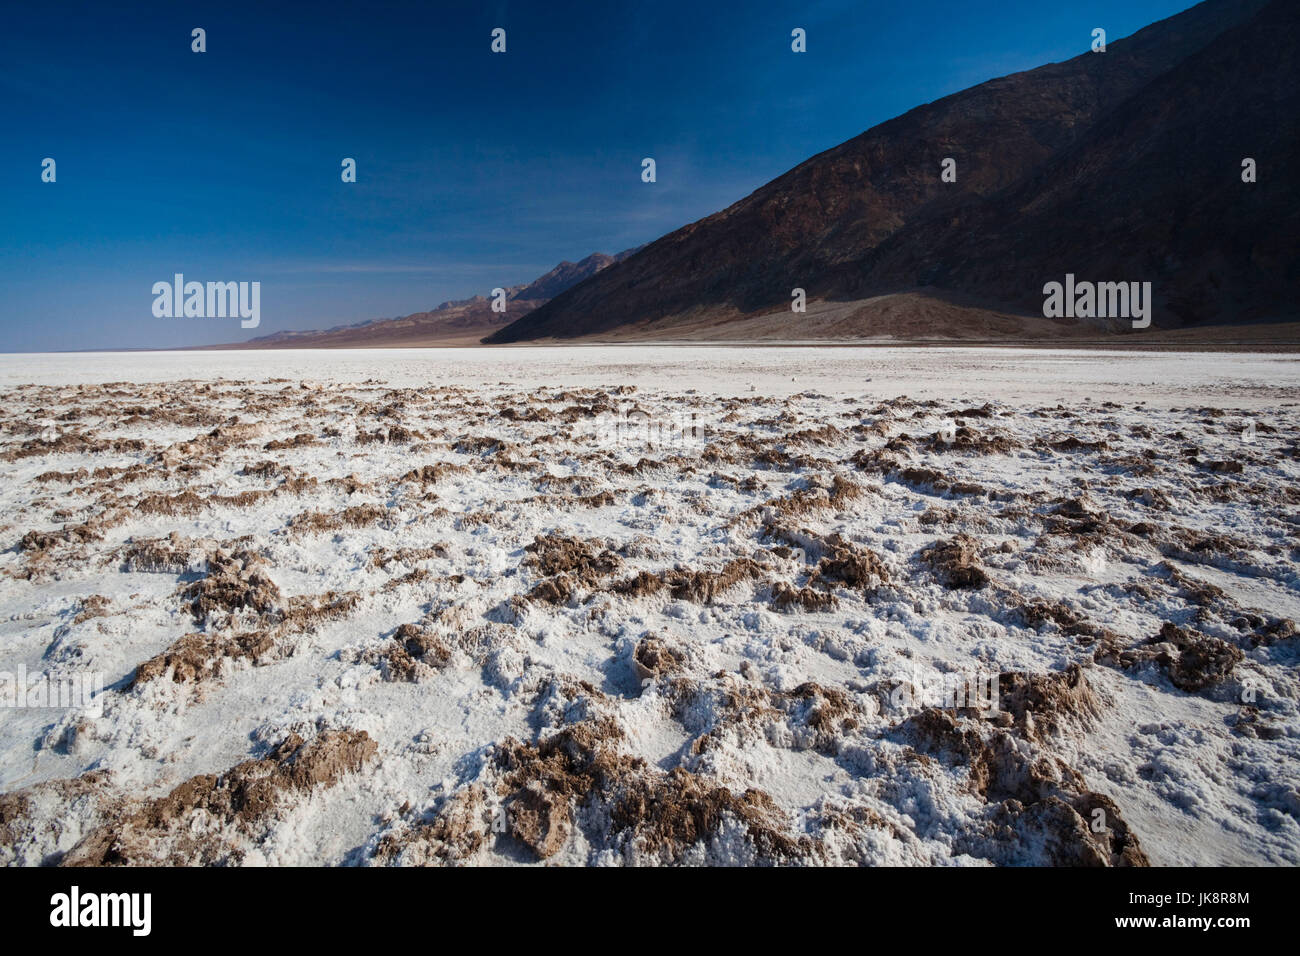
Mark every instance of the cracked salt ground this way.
pixel 351 620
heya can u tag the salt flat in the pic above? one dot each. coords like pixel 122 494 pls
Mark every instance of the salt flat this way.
pixel 634 605
pixel 1031 374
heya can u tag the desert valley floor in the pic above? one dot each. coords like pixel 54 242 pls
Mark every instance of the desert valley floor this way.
pixel 499 606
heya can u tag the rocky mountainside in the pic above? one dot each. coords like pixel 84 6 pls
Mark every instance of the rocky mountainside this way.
pixel 1116 166
pixel 568 274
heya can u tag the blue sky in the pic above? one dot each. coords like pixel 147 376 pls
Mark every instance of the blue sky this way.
pixel 474 169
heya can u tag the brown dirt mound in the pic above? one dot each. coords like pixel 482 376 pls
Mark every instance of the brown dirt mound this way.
pixel 854 565
pixel 667 816
pixel 358 516
pixel 22 822
pixel 198 657
pixel 662 814
pixel 236 806
pixel 956 563
pixel 1193 661
pixel 1075 516
pixel 702 587
pixel 969 441
pixel 39 541
pixel 820 716
pixel 570 564
pixel 642 584
pixel 928 478
pixel 1037 800
pixel 454 835
pixel 1072 443
pixel 174 554
pixel 818 496
pixel 655 656
pixel 234 582
pixel 1044 704
pixel 410 647
pixel 786 596
pixel 432 474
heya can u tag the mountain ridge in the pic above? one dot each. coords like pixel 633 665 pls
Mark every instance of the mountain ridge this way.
pixel 870 217
pixel 461 321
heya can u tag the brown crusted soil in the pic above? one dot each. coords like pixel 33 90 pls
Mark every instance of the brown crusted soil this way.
pixel 237 803
pixel 955 562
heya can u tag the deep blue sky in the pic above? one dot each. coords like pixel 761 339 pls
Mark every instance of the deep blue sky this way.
pixel 474 169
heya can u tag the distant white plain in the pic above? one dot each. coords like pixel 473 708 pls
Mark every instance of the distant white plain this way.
pixel 1160 378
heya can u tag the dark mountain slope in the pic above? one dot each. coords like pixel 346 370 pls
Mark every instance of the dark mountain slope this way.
pixel 872 217
pixel 1153 193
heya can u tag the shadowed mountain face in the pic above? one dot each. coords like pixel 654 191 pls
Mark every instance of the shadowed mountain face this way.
pixel 1116 166
pixel 463 321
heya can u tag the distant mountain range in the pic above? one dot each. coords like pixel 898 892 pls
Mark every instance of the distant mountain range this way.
pixel 1123 165
pixel 461 322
